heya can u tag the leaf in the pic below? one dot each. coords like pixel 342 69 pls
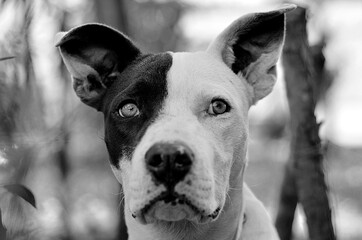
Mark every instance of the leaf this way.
pixel 2 229
pixel 21 191
pixel 6 58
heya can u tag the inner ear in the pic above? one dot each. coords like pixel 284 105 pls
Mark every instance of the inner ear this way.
pixel 263 35
pixel 104 56
pixel 103 59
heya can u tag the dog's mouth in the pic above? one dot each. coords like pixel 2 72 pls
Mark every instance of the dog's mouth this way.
pixel 171 207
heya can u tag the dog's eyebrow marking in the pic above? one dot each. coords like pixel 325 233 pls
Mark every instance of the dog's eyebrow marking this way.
pixel 145 80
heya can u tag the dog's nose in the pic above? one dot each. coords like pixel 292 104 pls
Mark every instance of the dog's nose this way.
pixel 169 162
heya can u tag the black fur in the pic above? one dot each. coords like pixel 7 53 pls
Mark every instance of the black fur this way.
pixel 144 82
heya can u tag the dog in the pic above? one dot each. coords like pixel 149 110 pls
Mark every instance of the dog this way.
pixel 176 124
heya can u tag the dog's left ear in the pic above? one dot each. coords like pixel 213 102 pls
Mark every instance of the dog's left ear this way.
pixel 251 47
pixel 95 55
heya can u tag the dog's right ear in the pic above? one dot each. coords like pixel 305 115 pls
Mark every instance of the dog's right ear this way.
pixel 95 55
pixel 251 47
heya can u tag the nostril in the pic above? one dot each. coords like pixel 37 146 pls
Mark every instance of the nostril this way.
pixel 182 162
pixel 155 161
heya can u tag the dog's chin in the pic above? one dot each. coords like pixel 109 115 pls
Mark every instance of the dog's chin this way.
pixel 174 212
pixel 169 212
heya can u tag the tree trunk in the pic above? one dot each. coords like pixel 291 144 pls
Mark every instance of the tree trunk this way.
pixel 304 178
pixel 287 204
pixel 113 13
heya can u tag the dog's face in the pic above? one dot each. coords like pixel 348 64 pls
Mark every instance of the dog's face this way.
pixel 176 123
pixel 187 124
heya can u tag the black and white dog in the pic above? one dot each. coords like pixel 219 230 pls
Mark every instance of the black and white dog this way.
pixel 176 125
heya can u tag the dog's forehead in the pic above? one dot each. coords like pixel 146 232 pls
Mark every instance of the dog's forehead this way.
pixel 171 74
pixel 201 76
pixel 200 67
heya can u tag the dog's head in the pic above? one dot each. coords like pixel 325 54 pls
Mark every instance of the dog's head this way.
pixel 176 123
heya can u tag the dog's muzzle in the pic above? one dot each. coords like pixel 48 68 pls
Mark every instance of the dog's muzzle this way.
pixel 175 193
pixel 168 164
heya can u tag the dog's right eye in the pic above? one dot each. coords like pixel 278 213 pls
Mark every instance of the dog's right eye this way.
pixel 218 106
pixel 128 110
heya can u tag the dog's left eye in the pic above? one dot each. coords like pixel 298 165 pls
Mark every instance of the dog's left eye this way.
pixel 129 110
pixel 218 106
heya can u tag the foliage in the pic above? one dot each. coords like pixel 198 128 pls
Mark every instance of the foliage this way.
pixel 22 192
pixel 5 58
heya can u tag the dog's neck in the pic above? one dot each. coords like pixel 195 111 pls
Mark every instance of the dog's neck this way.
pixel 226 227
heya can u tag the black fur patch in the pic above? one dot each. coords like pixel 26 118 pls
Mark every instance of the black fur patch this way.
pixel 143 82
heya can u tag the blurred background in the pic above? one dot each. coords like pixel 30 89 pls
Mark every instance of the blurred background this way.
pixel 53 144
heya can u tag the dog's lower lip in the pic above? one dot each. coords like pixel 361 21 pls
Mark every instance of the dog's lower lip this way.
pixel 167 197
pixel 215 213
pixel 173 198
